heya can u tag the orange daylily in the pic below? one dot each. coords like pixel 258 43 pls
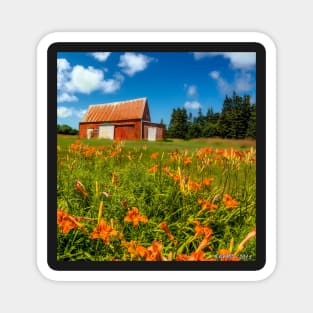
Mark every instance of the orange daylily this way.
pixel 187 161
pixel 166 170
pixel 67 222
pixel 152 253
pixel 135 250
pixel 164 226
pixel 229 201
pixel 155 252
pixel 207 181
pixel 202 230
pixel 154 155
pixel 206 205
pixel 153 169
pixel 193 186
pixel 134 217
pixel 103 231
pixel 101 148
pixel 81 188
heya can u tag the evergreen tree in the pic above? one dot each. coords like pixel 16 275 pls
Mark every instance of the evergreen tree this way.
pixel 225 124
pixel 210 128
pixel 235 115
pixel 251 131
pixel 178 126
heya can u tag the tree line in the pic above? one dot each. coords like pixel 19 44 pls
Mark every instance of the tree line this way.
pixel 237 119
pixel 66 130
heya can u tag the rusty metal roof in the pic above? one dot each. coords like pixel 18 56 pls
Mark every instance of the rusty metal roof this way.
pixel 116 111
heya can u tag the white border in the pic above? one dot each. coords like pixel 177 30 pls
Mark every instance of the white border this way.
pixel 42 156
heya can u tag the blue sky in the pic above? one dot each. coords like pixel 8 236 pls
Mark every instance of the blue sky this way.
pixel 168 79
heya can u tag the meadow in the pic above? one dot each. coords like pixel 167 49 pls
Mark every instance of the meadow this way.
pixel 156 201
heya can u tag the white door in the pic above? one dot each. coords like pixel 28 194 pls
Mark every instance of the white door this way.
pixel 89 132
pixel 106 132
pixel 152 133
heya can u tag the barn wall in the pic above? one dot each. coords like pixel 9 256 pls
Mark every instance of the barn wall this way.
pixel 146 114
pixel 124 130
pixel 159 132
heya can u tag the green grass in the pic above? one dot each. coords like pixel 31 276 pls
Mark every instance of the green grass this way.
pixel 102 180
pixel 167 145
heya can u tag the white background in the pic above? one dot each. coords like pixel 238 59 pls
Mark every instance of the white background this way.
pixel 23 24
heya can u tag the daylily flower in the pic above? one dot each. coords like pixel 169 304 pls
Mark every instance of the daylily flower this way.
pixel 193 186
pixel 164 226
pixel 229 201
pixel 134 217
pixel 207 181
pixel 153 169
pixel 187 161
pixel 67 222
pixel 154 155
pixel 103 231
pixel 155 252
pixel 81 188
pixel 206 205
pixel 202 230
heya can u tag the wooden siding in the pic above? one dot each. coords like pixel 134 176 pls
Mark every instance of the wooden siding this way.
pixel 146 113
pixel 124 130
pixel 159 131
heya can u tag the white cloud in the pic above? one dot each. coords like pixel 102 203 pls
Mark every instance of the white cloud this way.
pixel 223 86
pixel 194 105
pixel 84 80
pixel 80 113
pixel 80 79
pixel 201 55
pixel 65 97
pixel 110 85
pixel 63 65
pixel 242 60
pixel 243 82
pixel 192 91
pixel 64 112
pixel 131 63
pixel 214 74
pixel 238 60
pixel 63 72
pixel 101 56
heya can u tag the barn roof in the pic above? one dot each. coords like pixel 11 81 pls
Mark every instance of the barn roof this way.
pixel 116 111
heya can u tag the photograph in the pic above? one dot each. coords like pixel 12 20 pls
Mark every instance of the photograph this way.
pixel 156 156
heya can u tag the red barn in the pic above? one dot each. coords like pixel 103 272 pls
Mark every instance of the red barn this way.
pixel 124 120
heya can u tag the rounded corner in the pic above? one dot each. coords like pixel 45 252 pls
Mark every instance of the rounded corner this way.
pixel 46 270
pixel 266 41
pixel 47 41
pixel 266 271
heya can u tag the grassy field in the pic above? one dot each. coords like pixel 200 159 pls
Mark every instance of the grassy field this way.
pixel 167 145
pixel 156 201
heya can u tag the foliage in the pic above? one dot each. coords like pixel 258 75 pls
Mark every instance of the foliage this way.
pixel 251 131
pixel 178 126
pixel 66 130
pixel 153 202
pixel 235 115
pixel 237 119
